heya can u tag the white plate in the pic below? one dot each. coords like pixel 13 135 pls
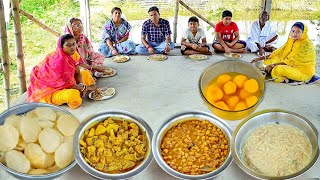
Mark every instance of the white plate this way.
pixel 100 74
pixel 233 55
pixel 198 57
pixel 158 57
pixel 104 97
pixel 120 58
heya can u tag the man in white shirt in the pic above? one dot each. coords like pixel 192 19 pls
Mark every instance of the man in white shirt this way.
pixel 261 35
pixel 194 39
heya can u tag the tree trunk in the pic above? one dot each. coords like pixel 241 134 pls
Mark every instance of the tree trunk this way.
pixel 175 21
pixel 19 49
pixel 5 55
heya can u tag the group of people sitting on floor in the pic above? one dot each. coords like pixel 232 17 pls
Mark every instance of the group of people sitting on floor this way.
pixel 59 80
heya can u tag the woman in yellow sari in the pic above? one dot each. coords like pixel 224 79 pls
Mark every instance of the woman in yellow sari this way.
pixel 58 79
pixel 295 60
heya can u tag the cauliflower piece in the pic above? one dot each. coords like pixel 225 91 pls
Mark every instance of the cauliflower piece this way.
pixel 82 143
pixel 125 125
pixel 99 166
pixel 99 143
pixel 130 157
pixel 91 132
pixel 134 132
pixel 100 129
pixel 91 151
pixel 112 128
pixel 108 121
pixel 127 164
pixel 134 126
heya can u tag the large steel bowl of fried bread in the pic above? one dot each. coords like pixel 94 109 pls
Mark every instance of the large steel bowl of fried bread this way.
pixel 113 144
pixel 36 141
pixel 193 145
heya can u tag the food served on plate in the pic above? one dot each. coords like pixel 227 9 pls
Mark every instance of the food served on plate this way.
pixel 120 58
pixel 194 147
pixel 198 56
pixel 100 93
pixel 233 91
pixel 34 143
pixel 233 55
pixel 276 150
pixel 114 146
pixel 157 57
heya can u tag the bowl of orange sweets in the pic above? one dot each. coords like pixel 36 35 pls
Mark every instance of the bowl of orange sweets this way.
pixel 232 89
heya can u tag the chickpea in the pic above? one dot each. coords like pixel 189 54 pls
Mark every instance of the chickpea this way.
pixel 165 151
pixel 189 163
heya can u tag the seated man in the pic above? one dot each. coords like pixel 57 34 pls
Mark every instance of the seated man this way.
pixel 261 35
pixel 194 40
pixel 227 35
pixel 157 31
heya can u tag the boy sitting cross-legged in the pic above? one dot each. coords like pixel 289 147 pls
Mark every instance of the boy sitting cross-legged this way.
pixel 194 39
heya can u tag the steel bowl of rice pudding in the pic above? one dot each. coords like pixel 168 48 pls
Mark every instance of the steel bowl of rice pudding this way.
pixel 275 144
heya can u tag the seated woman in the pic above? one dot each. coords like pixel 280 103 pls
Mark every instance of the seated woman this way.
pixel 115 36
pixel 57 79
pixel 295 60
pixel 92 60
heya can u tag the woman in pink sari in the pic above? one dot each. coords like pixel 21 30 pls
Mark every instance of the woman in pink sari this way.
pixel 92 60
pixel 58 79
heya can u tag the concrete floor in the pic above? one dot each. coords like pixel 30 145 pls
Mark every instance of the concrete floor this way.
pixel 155 90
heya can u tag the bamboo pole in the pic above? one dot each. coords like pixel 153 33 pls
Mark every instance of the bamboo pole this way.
pixel 85 17
pixel 197 14
pixel 29 16
pixel 175 21
pixel 5 55
pixel 19 49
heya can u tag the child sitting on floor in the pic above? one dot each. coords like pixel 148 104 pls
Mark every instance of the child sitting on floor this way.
pixel 227 35
pixel 194 40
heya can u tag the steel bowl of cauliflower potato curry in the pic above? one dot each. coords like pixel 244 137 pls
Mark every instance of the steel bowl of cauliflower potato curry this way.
pixel 113 144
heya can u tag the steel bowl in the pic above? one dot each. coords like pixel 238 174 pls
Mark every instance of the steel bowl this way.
pixel 181 117
pixel 226 66
pixel 21 109
pixel 271 116
pixel 101 116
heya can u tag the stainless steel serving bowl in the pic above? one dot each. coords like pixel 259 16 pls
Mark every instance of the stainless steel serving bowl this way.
pixel 181 117
pixel 101 116
pixel 270 117
pixel 21 109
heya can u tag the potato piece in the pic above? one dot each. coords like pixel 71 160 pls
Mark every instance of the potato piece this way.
pixel 67 125
pixel 232 101
pixel 68 139
pixel 46 124
pixel 240 106
pixel 35 155
pixel 14 121
pixel 21 145
pixel 30 129
pixel 244 94
pixel 17 161
pixel 64 155
pixel 9 137
pixel 100 130
pixel 38 171
pixel 49 140
pixel 46 113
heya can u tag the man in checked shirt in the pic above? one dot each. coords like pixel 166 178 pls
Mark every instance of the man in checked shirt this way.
pixel 155 35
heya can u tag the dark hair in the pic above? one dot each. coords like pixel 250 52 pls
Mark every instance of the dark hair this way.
pixel 65 37
pixel 154 8
pixel 226 13
pixel 116 9
pixel 299 25
pixel 75 19
pixel 193 19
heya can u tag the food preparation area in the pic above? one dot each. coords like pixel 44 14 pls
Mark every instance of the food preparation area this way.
pixel 156 90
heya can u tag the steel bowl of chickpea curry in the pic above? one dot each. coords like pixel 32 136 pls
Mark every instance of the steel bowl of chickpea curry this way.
pixel 113 145
pixel 193 145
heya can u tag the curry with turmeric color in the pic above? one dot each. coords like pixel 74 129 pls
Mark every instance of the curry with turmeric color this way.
pixel 114 146
pixel 194 147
